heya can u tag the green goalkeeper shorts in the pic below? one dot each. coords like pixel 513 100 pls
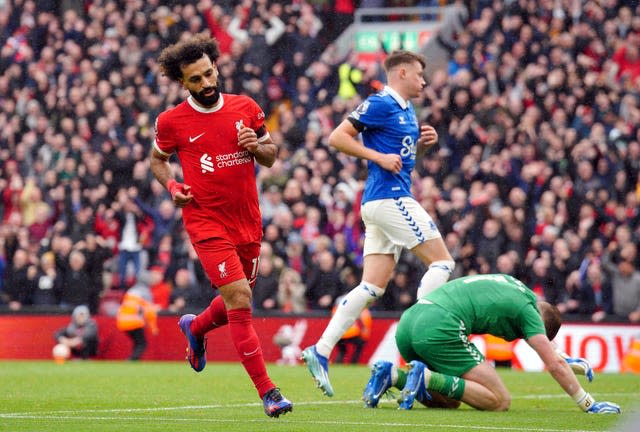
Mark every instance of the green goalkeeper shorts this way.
pixel 429 333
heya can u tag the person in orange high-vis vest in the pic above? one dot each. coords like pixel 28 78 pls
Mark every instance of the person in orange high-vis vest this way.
pixel 136 312
pixel 356 335
pixel 499 350
pixel 631 361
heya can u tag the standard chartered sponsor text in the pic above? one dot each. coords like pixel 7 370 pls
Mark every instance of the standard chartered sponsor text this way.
pixel 231 159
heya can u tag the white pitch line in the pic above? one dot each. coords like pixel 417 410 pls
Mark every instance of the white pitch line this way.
pixel 255 404
pixel 81 415
pixel 288 421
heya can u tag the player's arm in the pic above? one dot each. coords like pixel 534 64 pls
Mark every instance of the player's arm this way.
pixel 259 143
pixel 579 365
pixel 161 169
pixel 343 139
pixel 562 373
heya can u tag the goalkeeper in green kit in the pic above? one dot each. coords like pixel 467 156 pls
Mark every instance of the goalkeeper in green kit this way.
pixel 446 368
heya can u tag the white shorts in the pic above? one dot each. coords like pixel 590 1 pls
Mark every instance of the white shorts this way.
pixel 395 223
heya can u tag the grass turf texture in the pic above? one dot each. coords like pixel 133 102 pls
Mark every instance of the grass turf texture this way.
pixel 166 396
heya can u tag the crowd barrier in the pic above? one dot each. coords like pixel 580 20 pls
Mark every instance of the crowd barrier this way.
pixel 31 337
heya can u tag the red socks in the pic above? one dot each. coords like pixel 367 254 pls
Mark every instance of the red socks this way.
pixel 248 347
pixel 243 335
pixel 211 318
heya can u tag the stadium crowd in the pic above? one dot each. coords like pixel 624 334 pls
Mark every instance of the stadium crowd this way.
pixel 535 174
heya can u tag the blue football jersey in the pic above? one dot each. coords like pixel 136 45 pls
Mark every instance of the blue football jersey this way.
pixel 388 125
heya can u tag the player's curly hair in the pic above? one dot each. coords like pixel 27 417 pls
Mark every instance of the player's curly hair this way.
pixel 551 318
pixel 402 57
pixel 185 52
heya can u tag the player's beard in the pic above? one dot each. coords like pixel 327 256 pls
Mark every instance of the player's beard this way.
pixel 204 100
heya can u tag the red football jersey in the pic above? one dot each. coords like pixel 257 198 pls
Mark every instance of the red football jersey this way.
pixel 220 172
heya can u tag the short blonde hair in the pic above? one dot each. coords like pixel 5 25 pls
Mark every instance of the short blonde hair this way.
pixel 402 57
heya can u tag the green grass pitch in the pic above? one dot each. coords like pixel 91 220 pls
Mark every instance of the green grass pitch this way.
pixel 98 396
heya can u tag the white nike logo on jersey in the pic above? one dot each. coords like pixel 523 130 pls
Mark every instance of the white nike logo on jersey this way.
pixel 192 139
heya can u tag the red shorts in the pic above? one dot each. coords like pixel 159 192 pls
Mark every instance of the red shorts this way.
pixel 225 262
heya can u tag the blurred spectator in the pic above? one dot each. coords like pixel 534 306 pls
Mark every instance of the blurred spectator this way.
pixel 459 61
pixel 265 292
pixel 163 218
pixel 401 292
pixel 76 283
pixel 257 59
pixel 490 244
pixel 19 281
pixel 626 61
pixel 218 22
pixel 589 294
pixel 96 254
pixel 159 287
pixel 297 257
pixel 324 284
pixel 625 283
pixel 32 204
pixel 131 222
pixel 48 282
pixel 185 294
pixel 80 335
pixel 291 292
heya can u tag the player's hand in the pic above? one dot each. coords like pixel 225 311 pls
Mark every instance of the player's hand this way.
pixel 180 193
pixel 604 408
pixel 390 162
pixel 428 137
pixel 248 139
pixel 580 366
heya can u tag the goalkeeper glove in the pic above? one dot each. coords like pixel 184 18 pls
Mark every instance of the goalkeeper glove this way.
pixel 580 366
pixel 604 408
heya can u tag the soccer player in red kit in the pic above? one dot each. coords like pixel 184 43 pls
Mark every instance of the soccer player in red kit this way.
pixel 217 138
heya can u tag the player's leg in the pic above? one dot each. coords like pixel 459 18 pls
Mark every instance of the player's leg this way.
pixel 377 269
pixel 225 269
pixel 484 389
pixel 440 264
pixel 195 327
pixel 214 316
pixel 408 225
pixel 384 375
pixel 380 257
pixel 139 343
pixel 358 345
pixel 480 388
pixel 438 400
pixel 433 340
pixel 237 296
pixel 342 351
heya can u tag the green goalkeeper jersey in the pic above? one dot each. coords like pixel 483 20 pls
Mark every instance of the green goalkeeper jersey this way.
pixel 496 304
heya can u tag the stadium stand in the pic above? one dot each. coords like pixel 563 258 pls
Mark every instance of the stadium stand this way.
pixel 536 173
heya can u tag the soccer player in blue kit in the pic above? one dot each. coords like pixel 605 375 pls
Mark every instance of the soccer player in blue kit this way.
pixel 391 141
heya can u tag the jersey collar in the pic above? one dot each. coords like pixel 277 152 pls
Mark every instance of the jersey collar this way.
pixel 403 103
pixel 198 108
